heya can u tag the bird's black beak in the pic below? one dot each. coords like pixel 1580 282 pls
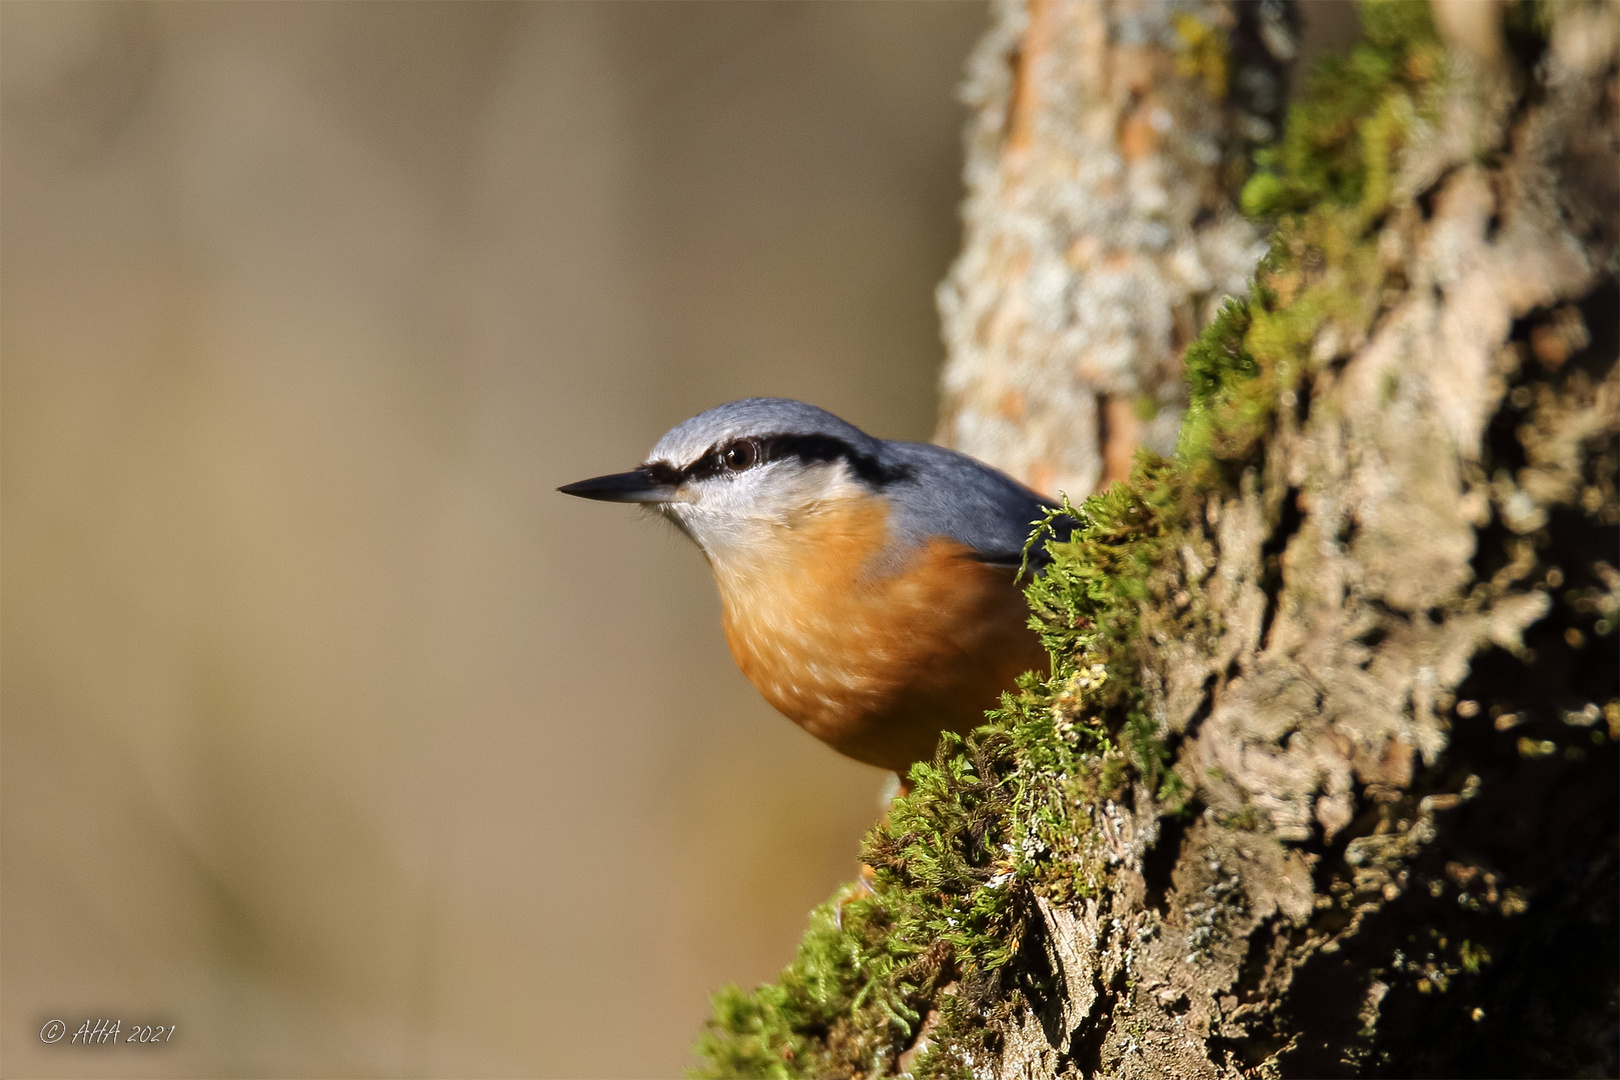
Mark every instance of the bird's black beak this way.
pixel 637 486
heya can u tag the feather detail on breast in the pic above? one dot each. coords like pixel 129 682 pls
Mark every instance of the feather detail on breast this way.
pixel 874 664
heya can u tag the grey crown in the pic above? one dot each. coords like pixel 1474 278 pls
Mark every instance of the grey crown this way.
pixel 932 491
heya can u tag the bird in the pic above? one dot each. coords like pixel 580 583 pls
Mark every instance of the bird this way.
pixel 869 587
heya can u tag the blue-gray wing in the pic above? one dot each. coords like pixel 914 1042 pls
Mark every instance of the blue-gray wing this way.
pixel 939 492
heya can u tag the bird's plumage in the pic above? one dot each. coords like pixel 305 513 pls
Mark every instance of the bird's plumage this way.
pixel 867 584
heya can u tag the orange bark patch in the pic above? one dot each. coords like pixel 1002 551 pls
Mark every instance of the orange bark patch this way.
pixel 1122 434
pixel 1025 103
pixel 1137 137
pixel 1041 476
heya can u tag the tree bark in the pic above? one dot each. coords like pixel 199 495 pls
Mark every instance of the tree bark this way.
pixel 1107 144
pixel 1401 738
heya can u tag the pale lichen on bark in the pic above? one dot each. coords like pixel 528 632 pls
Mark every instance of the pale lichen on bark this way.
pixel 1100 225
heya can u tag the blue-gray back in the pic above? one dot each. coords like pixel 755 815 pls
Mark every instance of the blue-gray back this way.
pixel 939 492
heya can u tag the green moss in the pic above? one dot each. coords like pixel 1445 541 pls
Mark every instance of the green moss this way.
pixel 1218 358
pixel 1088 602
pixel 1223 396
pixel 846 1004
pixel 1326 186
pixel 1202 53
pixel 1011 811
pixel 1473 958
pixel 1339 138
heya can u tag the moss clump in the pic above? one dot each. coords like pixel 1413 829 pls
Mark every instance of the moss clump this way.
pixel 1327 186
pixel 1012 811
pixel 1218 358
pixel 1089 608
pixel 1204 53
pixel 1340 137
pixel 846 1004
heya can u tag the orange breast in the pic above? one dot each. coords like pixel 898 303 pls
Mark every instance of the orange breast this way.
pixel 874 664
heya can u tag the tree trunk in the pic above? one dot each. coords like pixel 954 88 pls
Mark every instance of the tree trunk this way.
pixel 1104 155
pixel 1324 781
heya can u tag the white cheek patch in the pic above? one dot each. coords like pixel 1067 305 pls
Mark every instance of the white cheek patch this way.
pixel 741 517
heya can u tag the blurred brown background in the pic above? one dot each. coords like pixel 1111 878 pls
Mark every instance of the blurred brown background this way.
pixel 332 735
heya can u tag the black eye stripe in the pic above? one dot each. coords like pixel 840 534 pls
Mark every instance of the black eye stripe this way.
pixel 662 472
pixel 805 448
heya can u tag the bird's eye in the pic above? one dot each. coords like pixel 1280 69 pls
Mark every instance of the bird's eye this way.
pixel 739 455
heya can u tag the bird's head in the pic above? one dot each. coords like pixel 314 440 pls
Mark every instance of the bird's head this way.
pixel 733 477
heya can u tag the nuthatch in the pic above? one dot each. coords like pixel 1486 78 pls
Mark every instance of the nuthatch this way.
pixel 868 586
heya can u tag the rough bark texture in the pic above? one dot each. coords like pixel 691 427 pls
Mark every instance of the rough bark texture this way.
pixel 1107 144
pixel 1401 736
pixel 1324 781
